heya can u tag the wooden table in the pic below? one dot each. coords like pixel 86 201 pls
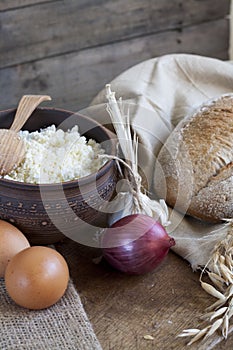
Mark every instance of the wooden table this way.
pixel 123 309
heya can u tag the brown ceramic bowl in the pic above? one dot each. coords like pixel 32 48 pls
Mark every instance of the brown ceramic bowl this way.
pixel 47 212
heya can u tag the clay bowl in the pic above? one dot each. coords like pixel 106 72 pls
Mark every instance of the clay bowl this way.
pixel 48 212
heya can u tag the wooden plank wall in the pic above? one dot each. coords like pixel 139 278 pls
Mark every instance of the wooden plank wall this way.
pixel 70 49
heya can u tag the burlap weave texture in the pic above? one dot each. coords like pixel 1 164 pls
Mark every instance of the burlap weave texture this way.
pixel 62 326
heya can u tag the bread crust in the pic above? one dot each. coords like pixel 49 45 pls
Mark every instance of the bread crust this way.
pixel 195 165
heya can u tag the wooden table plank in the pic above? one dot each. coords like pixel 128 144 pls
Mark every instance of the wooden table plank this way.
pixel 6 5
pixel 53 28
pixel 124 308
pixel 73 80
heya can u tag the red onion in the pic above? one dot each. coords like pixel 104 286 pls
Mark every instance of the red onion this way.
pixel 136 244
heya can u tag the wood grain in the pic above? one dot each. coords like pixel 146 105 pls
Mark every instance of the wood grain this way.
pixel 6 5
pixel 57 27
pixel 124 308
pixel 69 50
pixel 72 80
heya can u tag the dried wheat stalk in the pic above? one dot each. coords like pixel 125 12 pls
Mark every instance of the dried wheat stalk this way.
pixel 220 273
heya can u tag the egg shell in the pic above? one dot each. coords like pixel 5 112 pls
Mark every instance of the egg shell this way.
pixel 37 277
pixel 12 241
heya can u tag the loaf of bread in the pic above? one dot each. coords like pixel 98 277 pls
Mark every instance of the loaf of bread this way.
pixel 194 169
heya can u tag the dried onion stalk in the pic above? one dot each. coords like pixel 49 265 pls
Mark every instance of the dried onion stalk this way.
pixel 133 199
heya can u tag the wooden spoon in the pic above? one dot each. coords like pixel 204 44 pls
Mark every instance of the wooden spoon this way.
pixel 12 148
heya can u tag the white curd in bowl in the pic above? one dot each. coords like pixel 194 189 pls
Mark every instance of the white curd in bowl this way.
pixel 54 156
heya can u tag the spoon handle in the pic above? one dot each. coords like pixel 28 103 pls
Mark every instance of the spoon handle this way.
pixel 26 106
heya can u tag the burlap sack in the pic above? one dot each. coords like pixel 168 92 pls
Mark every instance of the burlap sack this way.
pixel 64 325
pixel 158 93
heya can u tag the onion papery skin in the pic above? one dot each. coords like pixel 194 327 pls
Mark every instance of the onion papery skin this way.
pixel 136 244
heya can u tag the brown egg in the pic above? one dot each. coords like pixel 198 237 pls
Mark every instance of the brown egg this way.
pixel 37 277
pixel 12 241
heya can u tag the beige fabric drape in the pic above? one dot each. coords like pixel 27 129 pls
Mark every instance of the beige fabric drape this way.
pixel 159 93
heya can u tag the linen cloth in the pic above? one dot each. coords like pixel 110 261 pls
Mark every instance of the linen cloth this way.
pixel 158 93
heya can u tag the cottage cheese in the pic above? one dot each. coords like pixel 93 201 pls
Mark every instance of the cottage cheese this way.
pixel 54 156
